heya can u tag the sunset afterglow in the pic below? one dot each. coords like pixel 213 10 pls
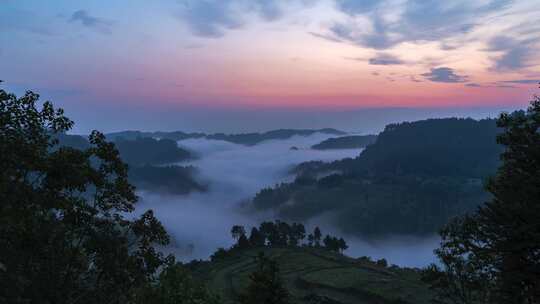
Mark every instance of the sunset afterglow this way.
pixel 300 54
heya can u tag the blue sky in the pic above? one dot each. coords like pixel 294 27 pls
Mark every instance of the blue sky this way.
pixel 169 64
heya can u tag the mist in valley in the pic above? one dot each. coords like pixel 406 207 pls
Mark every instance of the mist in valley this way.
pixel 199 223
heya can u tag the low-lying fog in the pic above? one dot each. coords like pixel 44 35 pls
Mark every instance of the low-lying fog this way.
pixel 199 223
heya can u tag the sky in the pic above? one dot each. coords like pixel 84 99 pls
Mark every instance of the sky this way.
pixel 239 65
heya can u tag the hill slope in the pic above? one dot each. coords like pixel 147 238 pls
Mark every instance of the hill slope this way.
pixel 317 276
pixel 346 142
pixel 412 180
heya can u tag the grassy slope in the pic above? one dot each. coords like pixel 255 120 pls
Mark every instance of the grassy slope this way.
pixel 331 276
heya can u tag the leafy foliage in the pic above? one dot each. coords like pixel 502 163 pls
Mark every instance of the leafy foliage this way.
pixel 176 285
pixel 493 255
pixel 64 233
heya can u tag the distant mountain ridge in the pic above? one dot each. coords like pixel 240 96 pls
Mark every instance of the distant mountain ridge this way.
pixel 149 161
pixel 248 139
pixel 346 142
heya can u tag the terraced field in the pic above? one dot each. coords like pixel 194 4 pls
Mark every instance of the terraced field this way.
pixel 318 276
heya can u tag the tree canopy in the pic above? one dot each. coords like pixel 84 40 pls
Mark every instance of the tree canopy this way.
pixel 66 232
pixel 493 255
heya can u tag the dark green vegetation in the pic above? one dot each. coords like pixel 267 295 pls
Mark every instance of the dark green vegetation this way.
pixel 64 233
pixel 493 254
pixel 282 234
pixel 150 151
pixel 315 275
pixel 277 263
pixel 146 158
pixel 166 179
pixel 412 180
pixel 266 285
pixel 346 142
pixel 248 139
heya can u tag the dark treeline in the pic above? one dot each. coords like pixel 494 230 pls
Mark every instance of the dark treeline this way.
pixel 150 151
pixel 346 142
pixel 136 151
pixel 280 234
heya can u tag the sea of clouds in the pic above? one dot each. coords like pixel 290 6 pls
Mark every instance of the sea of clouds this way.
pixel 199 223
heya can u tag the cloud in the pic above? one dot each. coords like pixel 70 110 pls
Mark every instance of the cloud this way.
pixel 392 23
pixel 514 54
pixel 413 79
pixel 444 74
pixel 385 59
pixel 212 18
pixel 490 85
pixel 325 37
pixel 234 173
pixel 87 20
pixel 523 81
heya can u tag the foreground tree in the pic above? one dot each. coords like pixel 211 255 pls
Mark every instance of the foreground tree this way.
pixel 176 286
pixel 266 286
pixel 64 232
pixel 493 256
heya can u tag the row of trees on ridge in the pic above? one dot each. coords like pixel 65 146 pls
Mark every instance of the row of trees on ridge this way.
pixel 282 234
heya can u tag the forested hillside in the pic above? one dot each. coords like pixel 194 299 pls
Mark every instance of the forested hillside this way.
pixel 414 178
pixel 346 142
pixel 150 162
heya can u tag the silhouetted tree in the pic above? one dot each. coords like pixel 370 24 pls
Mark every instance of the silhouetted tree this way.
pixel 317 237
pixel 284 233
pixel 342 245
pixel 500 244
pixel 237 231
pixel 256 239
pixel 310 240
pixel 266 286
pixel 298 233
pixel 243 242
pixel 64 234
pixel 176 286
pixel 271 233
pixel 382 263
